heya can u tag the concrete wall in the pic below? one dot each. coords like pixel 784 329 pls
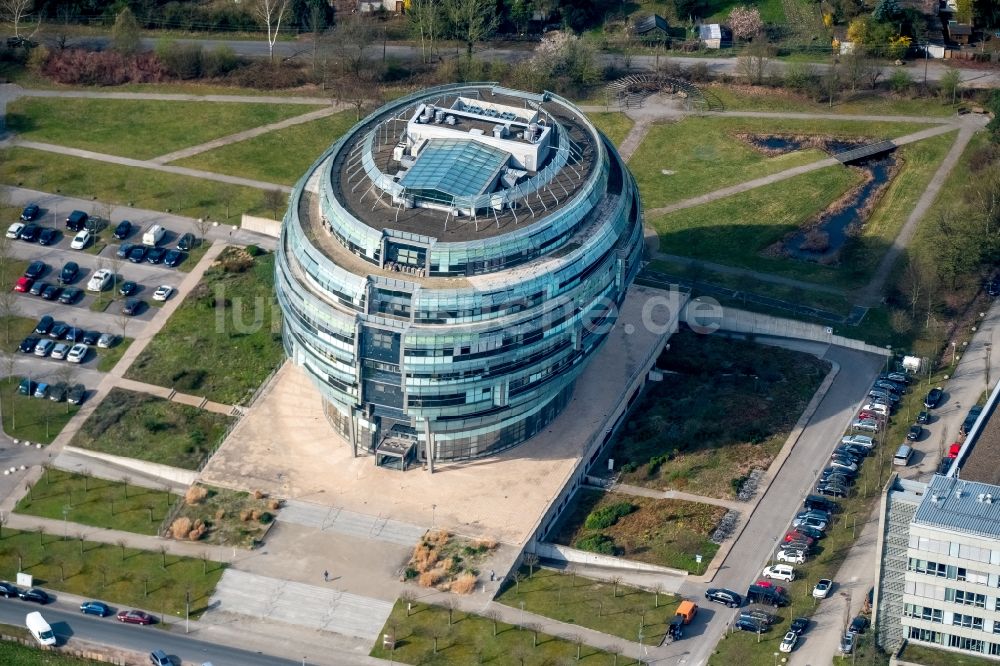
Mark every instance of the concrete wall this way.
pixel 754 323
pixel 175 474
pixel 261 225
pixel 566 554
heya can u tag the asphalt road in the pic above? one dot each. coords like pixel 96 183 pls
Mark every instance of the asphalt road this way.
pixel 724 65
pixel 71 626
pixel 755 545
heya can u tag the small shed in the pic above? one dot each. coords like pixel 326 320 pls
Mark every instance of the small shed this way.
pixel 960 33
pixel 714 35
pixel 653 26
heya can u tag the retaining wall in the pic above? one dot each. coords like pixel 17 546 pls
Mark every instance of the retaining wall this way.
pixel 261 225
pixel 177 475
pixel 559 553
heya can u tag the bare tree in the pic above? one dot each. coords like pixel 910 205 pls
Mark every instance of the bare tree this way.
pixel 271 13
pixel 427 18
pixel 123 320
pixel 615 582
pixel 16 12
pixel 274 200
pixel 18 552
pixel 494 617
pixel 349 40
pixel 534 629
pixel 125 481
pixel 103 569
pixel 144 577
pixel 357 90
pixel 163 557
pixel 531 561
pixel 203 224
pixel 121 544
pixel 754 63
pixel 472 20
pixel 407 597
pixel 8 310
pixel 82 540
pixel 657 591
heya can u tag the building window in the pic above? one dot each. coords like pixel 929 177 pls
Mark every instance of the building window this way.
pixel 923 613
pixel 995 649
pixel 966 598
pixel 929 568
pixel 925 635
pixel 962 643
pixel 968 621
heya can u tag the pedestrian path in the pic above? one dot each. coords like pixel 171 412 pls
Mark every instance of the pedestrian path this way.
pixel 174 396
pixel 676 494
pixel 350 523
pixel 15 91
pixel 323 608
pixel 747 273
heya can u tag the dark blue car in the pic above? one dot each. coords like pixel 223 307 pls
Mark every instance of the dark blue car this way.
pixel 98 608
pixel 30 212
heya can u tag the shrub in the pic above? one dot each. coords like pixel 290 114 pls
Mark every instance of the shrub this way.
pixel 464 584
pixel 254 250
pixel 655 463
pixel 597 543
pixel 181 527
pixel 264 75
pixel 629 467
pixel 266 518
pixel 430 578
pixel 219 62
pixel 105 68
pixel 609 515
pixel 181 60
pixel 220 514
pixel 737 483
pixel 195 495
pixel 410 573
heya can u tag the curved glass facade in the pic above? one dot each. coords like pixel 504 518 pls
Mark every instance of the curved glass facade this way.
pixel 446 325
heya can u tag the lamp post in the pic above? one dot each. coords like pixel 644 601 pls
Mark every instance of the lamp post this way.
pixel 433 510
pixel 775 659
pixel 989 348
pixel 954 345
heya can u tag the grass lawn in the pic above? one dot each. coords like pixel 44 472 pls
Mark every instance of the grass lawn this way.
pixel 228 527
pixel 32 419
pixel 735 230
pixel 14 654
pixel 928 656
pixel 713 419
pixel 744 98
pixel 705 155
pixel 108 358
pixel 590 603
pixel 14 330
pixel 106 571
pixel 237 338
pixel 142 188
pixel 471 639
pixel 741 647
pixel 97 502
pixel 615 126
pixel 137 128
pixel 771 11
pixel 281 156
pixel 658 531
pixel 139 425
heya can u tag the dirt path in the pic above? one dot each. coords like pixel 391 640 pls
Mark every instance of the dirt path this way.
pixel 756 275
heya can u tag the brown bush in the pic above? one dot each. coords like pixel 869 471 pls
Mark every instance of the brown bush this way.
pixel 104 68
pixel 437 537
pixel 259 494
pixel 180 527
pixel 197 533
pixel 255 514
pixel 424 557
pixel 245 515
pixel 430 578
pixel 264 75
pixel 464 584
pixel 220 514
pixel 194 495
pixel 488 544
pixel 274 504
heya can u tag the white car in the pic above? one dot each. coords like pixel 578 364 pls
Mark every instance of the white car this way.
pixel 877 408
pixel 791 556
pixel 107 340
pixel 866 425
pixel 810 521
pixel 14 230
pixel 858 440
pixel 81 240
pixel 44 347
pixel 100 280
pixel 60 350
pixel 789 641
pixel 77 353
pixel 780 572
pixel 822 589
pixel 843 464
pixel 163 292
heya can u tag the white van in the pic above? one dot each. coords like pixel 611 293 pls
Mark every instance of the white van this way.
pixel 902 456
pixel 40 629
pixel 153 235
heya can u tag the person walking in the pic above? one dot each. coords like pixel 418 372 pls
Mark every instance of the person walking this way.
pixel 326 576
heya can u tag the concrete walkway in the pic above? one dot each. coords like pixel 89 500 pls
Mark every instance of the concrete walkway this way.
pixel 146 164
pixel 13 91
pixel 639 491
pixel 871 295
pixel 174 396
pixel 755 275
pixel 243 136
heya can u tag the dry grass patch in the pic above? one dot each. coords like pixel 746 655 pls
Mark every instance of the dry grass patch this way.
pixel 446 562
pixel 223 517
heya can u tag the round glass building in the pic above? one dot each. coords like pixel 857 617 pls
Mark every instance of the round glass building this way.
pixel 449 266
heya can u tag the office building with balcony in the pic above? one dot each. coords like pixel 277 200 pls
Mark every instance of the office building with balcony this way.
pixel 448 267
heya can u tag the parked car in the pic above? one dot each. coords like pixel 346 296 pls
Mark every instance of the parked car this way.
pixel 35 595
pixel 914 433
pixel 856 450
pixel 135 617
pixel 69 272
pixel 30 232
pixel 724 596
pixel 791 556
pixel 866 425
pixel 123 230
pixel 878 408
pixel 9 590
pixel 858 440
pixel 186 242
pixel 849 452
pixel 44 347
pixel 75 334
pixel 831 490
pixel 137 254
pixel 810 532
pixel 44 325
pixel 933 398
pixel 970 419
pixel 59 330
pixel 98 608
pixel 30 212
pixel 77 220
pixel 81 240
pixel 788 642
pixel 822 589
pixel 847 642
pixel 924 418
pixel 772 596
pixel 91 337
pixel 132 307
pixel 78 353
pixel 799 625
pixel 38 288
pixel 160 658
pixel 163 292
pixel 123 250
pixel 858 624
pixel 810 521
pixel 795 535
pixel 128 288
pixel 41 391
pixel 844 463
pixel 60 350
pixel 23 285
pixel 779 572
pixel 747 624
pixel 107 340
pixel 28 345
pixel 26 387
pixel 14 230
pixel 100 280
pixel 35 270
pixel 57 392
pixel 173 258
pixel 48 236
pixel 77 394
pixel 70 295
pixel 51 292
pixel 155 255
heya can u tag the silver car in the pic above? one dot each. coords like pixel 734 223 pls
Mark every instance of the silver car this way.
pixel 865 425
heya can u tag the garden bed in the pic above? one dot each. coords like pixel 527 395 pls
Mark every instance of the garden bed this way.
pixel 229 517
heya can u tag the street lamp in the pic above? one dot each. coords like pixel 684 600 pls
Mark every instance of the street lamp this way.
pixel 433 509
pixel 775 659
pixel 989 347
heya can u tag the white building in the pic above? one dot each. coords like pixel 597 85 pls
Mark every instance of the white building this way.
pixel 939 572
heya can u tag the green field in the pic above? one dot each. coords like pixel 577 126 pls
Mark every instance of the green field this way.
pixel 766 99
pixel 107 571
pixel 141 129
pixel 14 654
pixel 705 155
pixel 108 358
pixel 13 330
pixel 424 635
pixel 237 338
pixel 98 502
pixel 735 230
pixel 615 126
pixel 142 188
pixel 139 425
pixel 281 156
pixel 32 419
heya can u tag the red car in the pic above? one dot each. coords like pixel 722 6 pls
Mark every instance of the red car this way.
pixel 865 414
pixel 23 284
pixel 953 451
pixel 795 535
pixel 766 583
pixel 135 617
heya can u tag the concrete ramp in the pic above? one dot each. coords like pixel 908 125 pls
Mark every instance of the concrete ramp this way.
pixel 350 523
pixel 311 606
